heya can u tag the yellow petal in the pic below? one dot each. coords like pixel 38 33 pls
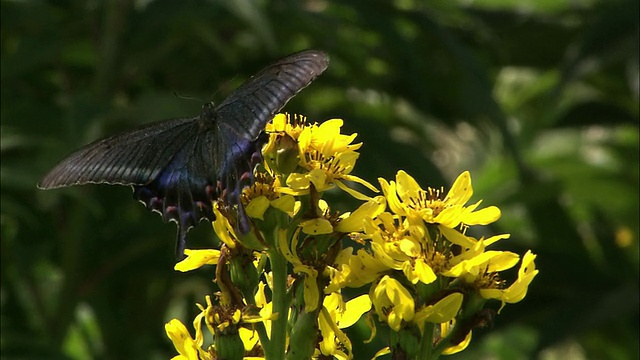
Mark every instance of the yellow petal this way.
pixel 284 249
pixel 279 122
pixel 360 181
pixel 223 229
pixel 197 258
pixel 389 191
pixel 311 292
pixel 518 290
pixel 450 216
pixel 328 344
pixel 355 221
pixel 382 352
pixel 461 190
pixel 317 226
pixel 181 339
pixel 442 311
pixel 490 261
pixel 424 272
pixel 261 298
pixel 501 260
pixel 495 238
pixel 249 338
pixel 407 186
pixel 400 297
pixel 457 237
pixel 356 194
pixel 257 207
pixel 484 216
pixel 354 310
pixel 409 246
pixel 285 203
pixel 457 348
pixel 297 181
pixel 318 178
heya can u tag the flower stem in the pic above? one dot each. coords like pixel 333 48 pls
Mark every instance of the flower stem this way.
pixel 426 344
pixel 280 306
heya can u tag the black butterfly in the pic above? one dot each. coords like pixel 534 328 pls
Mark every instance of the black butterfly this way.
pixel 178 167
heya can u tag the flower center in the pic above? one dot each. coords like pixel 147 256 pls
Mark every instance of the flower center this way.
pixel 433 199
pixel 329 165
pixel 489 281
pixel 263 185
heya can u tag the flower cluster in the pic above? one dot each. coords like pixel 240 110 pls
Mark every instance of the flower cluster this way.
pixel 281 283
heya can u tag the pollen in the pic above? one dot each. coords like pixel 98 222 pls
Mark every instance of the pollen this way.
pixel 433 199
pixel 298 121
pixel 490 281
pixel 294 125
pixel 263 186
pixel 330 165
pixel 437 260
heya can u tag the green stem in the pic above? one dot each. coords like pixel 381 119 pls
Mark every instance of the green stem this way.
pixel 426 344
pixel 279 302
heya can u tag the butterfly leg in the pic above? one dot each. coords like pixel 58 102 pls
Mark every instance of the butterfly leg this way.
pixel 181 241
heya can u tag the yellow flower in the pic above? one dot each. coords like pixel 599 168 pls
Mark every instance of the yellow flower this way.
pixel 188 347
pixel 393 302
pixel 227 233
pixel 249 336
pixel 182 340
pixel 518 290
pixel 311 293
pixel 406 197
pixel 263 193
pixel 345 223
pixel 482 270
pixel 473 270
pixel 337 315
pixel 325 157
pixel 283 125
pixel 402 246
pixel 356 270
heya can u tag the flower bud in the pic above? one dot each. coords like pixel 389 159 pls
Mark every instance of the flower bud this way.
pixel 229 346
pixel 243 274
pixel 282 157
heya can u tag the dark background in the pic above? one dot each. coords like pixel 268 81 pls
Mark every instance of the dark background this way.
pixel 538 99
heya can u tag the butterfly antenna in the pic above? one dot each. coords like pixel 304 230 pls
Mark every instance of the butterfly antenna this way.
pixel 187 97
pixel 225 85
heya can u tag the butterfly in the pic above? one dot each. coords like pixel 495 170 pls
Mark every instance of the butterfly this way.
pixel 178 167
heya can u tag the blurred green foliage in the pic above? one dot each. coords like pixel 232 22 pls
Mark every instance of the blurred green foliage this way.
pixel 539 99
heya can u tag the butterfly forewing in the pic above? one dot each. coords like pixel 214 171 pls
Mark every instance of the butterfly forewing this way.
pixel 254 103
pixel 132 158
